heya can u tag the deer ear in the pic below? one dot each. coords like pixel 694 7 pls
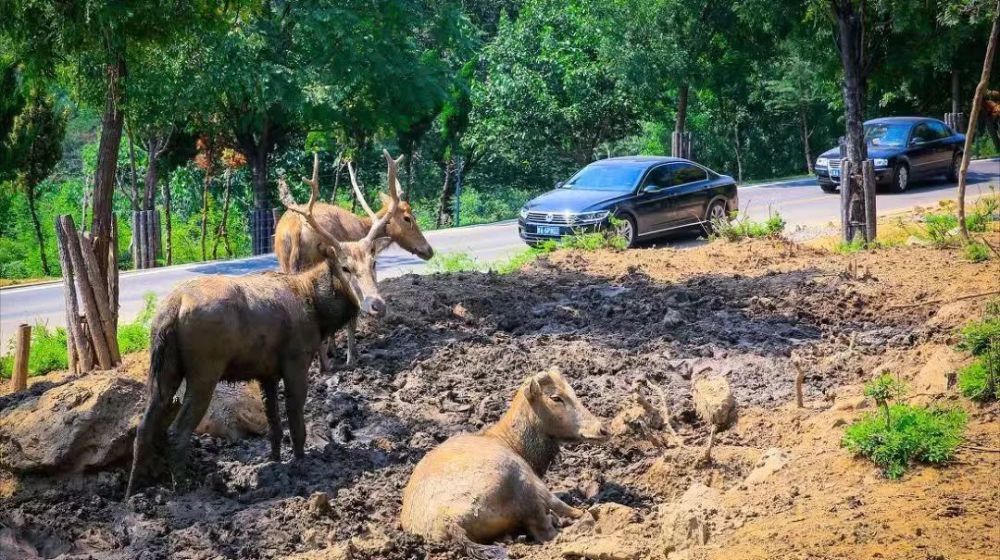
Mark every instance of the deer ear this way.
pixel 534 390
pixel 386 199
pixel 381 244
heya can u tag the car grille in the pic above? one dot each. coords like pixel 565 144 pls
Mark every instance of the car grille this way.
pixel 553 218
pixel 834 163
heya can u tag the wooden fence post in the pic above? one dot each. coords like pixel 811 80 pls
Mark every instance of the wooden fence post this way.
pixel 113 273
pixel 86 290
pixel 20 377
pixel 135 240
pixel 868 185
pixel 79 355
pixel 845 201
pixel 101 296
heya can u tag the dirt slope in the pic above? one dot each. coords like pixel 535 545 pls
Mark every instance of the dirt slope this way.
pixel 454 347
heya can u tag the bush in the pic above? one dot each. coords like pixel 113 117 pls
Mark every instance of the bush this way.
pixel 976 252
pixel 913 434
pixel 940 228
pixel 48 352
pixel 740 226
pixel 134 336
pixel 981 337
pixel 978 381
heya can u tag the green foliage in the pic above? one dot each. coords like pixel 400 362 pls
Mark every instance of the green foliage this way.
pixel 976 252
pixel 981 337
pixel 916 434
pixel 979 380
pixel 941 228
pixel 740 226
pixel 594 241
pixel 48 352
pixel 134 336
pixel 884 388
pixel 452 262
pixel 850 248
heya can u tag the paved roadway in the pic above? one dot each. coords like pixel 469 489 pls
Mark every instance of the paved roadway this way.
pixel 799 201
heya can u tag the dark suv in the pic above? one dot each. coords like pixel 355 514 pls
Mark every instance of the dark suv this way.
pixel 651 196
pixel 902 149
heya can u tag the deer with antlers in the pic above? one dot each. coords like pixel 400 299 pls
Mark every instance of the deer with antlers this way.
pixel 295 241
pixel 265 327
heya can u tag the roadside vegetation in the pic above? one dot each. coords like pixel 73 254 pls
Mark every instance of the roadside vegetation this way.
pixel 740 226
pixel 980 380
pixel 897 434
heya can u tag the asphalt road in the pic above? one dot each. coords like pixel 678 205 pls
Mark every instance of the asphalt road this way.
pixel 800 202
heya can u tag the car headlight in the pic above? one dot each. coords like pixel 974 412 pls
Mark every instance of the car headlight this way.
pixel 823 162
pixel 880 162
pixel 592 216
pixel 524 213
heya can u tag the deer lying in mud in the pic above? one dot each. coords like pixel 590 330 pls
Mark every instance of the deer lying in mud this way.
pixel 264 327
pixel 479 487
pixel 295 241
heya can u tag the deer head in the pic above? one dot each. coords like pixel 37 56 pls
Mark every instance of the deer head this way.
pixel 351 263
pixel 402 227
pixel 560 413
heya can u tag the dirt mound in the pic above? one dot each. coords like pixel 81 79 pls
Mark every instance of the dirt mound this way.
pixel 453 349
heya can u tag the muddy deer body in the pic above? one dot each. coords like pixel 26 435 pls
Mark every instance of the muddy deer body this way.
pixel 296 241
pixel 265 327
pixel 483 486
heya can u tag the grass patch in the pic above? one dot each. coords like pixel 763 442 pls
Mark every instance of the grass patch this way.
pixel 980 381
pixel 452 262
pixel 899 435
pixel 134 336
pixel 740 226
pixel 48 352
pixel 976 252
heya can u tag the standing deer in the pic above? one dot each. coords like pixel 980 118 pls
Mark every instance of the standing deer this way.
pixel 295 239
pixel 264 327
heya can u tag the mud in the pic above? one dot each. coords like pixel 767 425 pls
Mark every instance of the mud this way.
pixel 448 358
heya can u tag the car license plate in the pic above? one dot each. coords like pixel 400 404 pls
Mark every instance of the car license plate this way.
pixel 835 172
pixel 547 230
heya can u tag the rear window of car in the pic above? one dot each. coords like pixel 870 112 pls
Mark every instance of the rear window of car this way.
pixel 617 176
pixel 686 173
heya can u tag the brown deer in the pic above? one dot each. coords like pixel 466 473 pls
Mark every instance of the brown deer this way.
pixel 295 240
pixel 264 327
pixel 475 488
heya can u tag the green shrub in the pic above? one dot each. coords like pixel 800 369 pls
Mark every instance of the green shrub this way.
pixel 976 252
pixel 914 434
pixel 452 262
pixel 593 241
pixel 48 352
pixel 740 226
pixel 981 337
pixel 134 336
pixel 978 381
pixel 940 228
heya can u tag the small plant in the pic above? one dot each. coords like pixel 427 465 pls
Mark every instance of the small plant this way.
pixel 452 262
pixel 48 352
pixel 976 252
pixel 134 336
pixel 740 226
pixel 980 381
pixel 900 434
pixel 941 228
pixel 855 246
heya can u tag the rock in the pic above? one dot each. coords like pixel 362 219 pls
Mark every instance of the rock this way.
pixel 638 417
pixel 714 401
pixel 772 461
pixel 601 548
pixel 319 503
pixel 849 402
pixel 672 318
pixel 604 533
pixel 236 412
pixel 84 424
pixel 685 523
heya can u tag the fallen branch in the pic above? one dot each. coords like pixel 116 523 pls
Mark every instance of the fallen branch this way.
pixel 977 448
pixel 936 301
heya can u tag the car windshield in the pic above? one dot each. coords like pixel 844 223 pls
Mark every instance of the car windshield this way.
pixel 889 135
pixel 607 177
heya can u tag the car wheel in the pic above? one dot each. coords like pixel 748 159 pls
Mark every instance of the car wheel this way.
pixel 716 213
pixel 900 178
pixel 952 175
pixel 626 229
pixel 828 188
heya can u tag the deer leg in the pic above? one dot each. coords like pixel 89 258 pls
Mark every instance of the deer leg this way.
pixel 539 524
pixel 295 378
pixel 197 397
pixel 270 389
pixel 352 342
pixel 325 363
pixel 561 508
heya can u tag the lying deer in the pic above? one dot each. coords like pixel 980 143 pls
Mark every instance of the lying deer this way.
pixel 295 240
pixel 479 487
pixel 264 327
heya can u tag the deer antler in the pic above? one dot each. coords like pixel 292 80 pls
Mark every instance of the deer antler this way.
pixel 378 226
pixel 359 193
pixel 286 198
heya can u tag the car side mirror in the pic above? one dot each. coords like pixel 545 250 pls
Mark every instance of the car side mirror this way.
pixel 560 184
pixel 916 142
pixel 651 187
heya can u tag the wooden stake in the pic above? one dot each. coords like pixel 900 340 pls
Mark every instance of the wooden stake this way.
pixel 101 297
pixel 135 240
pixel 141 239
pixel 20 377
pixel 113 274
pixel 868 190
pixel 78 350
pixel 86 291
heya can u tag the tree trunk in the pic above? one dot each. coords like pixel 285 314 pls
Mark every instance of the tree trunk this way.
pixel 444 213
pixel 805 140
pixel 738 149
pixel 149 197
pixel 977 103
pixel 682 108
pixel 133 182
pixel 956 105
pixel 169 250
pixel 107 159
pixel 30 192
pixel 222 230
pixel 204 213
pixel 409 173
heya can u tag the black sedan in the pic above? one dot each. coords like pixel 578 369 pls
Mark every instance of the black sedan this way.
pixel 652 196
pixel 902 149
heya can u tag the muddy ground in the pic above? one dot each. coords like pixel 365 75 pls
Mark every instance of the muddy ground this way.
pixel 454 348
